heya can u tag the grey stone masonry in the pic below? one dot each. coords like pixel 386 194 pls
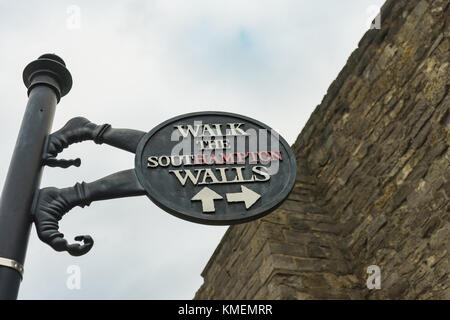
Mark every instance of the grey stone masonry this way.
pixel 373 182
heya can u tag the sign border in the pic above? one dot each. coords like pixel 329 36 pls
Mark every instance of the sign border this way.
pixel 261 212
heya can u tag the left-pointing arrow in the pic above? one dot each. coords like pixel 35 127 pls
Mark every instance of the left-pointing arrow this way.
pixel 207 197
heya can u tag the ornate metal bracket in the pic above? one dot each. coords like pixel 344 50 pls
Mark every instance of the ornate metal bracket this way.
pixel 51 204
pixel 236 203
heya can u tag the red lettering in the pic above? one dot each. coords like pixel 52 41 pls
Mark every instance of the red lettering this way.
pixel 254 158
pixel 267 159
pixel 228 158
pixel 276 155
pixel 241 157
pixel 196 159
pixel 215 159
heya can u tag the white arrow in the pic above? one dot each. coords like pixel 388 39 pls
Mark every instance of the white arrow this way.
pixel 248 196
pixel 207 197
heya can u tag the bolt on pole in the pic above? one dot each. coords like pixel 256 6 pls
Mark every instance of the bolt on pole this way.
pixel 47 80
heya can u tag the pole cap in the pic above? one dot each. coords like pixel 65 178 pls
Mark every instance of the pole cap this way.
pixel 52 65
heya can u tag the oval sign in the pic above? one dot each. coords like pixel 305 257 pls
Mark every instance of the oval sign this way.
pixel 215 168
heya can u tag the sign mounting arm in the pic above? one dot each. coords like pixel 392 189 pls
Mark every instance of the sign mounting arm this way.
pixel 52 203
pixel 81 129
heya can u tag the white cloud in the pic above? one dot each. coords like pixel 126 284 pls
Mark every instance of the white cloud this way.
pixel 136 64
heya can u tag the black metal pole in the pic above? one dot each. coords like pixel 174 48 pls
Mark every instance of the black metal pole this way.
pixel 47 80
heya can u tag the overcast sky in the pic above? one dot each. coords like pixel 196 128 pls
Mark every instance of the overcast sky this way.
pixel 136 64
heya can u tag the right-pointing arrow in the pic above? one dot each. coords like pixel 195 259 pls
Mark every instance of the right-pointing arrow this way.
pixel 248 196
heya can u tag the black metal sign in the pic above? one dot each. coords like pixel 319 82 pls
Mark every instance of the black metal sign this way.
pixel 215 167
pixel 206 167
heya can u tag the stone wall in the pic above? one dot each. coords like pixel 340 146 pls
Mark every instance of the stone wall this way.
pixel 373 181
